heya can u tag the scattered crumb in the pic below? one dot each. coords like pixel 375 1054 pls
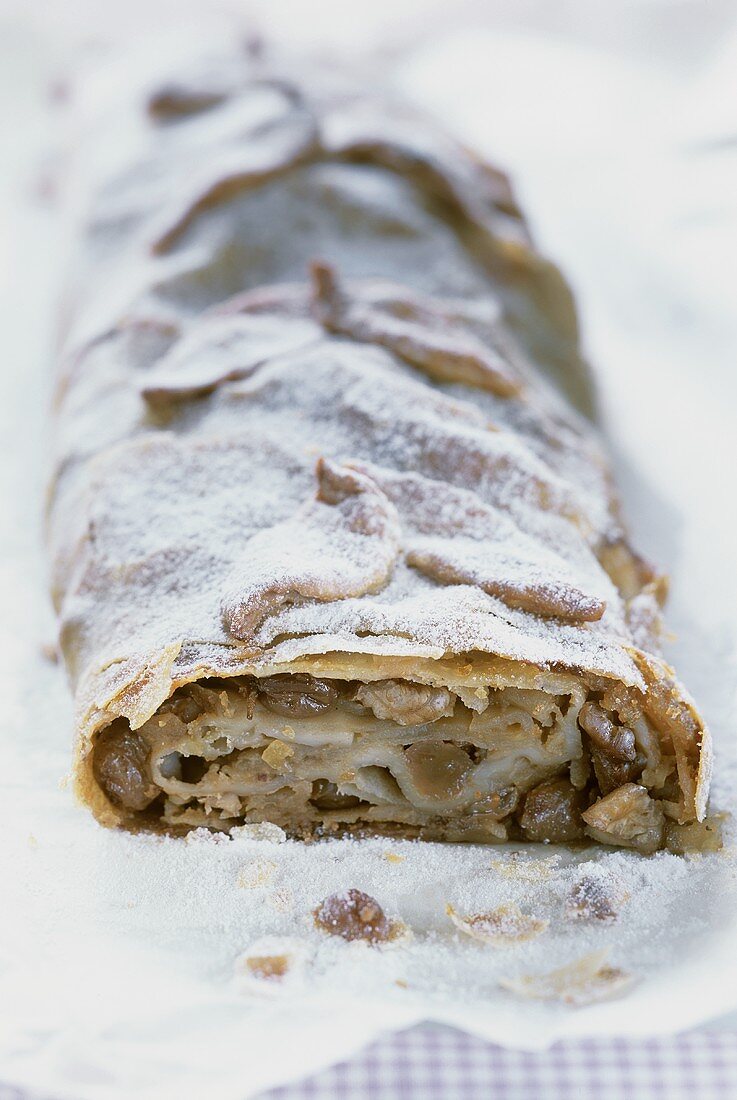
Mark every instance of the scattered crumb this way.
pixel 583 982
pixel 276 754
pixel 595 896
pixel 502 927
pixel 393 857
pixel 271 961
pixel 698 837
pixel 49 652
pixel 258 873
pixel 32 841
pixel 263 830
pixel 516 867
pixel 282 900
pixel 268 967
pixel 206 836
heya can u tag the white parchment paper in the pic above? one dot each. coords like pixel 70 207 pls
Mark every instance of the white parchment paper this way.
pixel 119 956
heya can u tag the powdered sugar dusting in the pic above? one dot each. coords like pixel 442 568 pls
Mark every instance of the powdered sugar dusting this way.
pixel 214 492
pixel 344 543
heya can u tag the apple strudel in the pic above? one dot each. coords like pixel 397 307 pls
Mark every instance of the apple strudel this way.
pixel 335 543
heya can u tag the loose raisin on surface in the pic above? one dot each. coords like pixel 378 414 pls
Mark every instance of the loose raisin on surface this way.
pixel 353 915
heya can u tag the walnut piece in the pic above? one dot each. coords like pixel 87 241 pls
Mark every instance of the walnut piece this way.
pixel 612 746
pixel 629 818
pixel 406 703
pixel 272 962
pixel 615 740
pixel 276 754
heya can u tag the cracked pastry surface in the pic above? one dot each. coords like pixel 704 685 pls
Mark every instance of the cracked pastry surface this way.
pixel 333 542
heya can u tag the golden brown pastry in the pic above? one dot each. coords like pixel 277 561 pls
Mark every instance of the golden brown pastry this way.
pixel 335 545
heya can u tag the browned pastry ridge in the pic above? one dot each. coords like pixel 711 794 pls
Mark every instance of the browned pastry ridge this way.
pixel 334 542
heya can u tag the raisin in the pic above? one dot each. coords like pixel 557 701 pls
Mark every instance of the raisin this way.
pixel 354 915
pixel 552 812
pixel 298 696
pixel 120 764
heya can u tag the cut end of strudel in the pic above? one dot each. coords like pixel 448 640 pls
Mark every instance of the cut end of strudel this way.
pixel 335 545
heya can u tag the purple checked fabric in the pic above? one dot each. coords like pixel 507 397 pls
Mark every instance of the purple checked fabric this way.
pixel 438 1063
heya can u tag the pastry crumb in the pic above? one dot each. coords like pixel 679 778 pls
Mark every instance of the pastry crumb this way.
pixel 268 967
pixel 49 652
pixel 271 961
pixel 276 754
pixel 595 898
pixel 262 830
pixel 583 982
pixel 519 869
pixel 282 900
pixel 258 873
pixel 502 927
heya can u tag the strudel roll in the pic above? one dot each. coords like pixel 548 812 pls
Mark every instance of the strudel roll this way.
pixel 335 544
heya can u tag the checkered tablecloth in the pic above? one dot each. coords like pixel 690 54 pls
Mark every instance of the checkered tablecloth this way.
pixel 439 1063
